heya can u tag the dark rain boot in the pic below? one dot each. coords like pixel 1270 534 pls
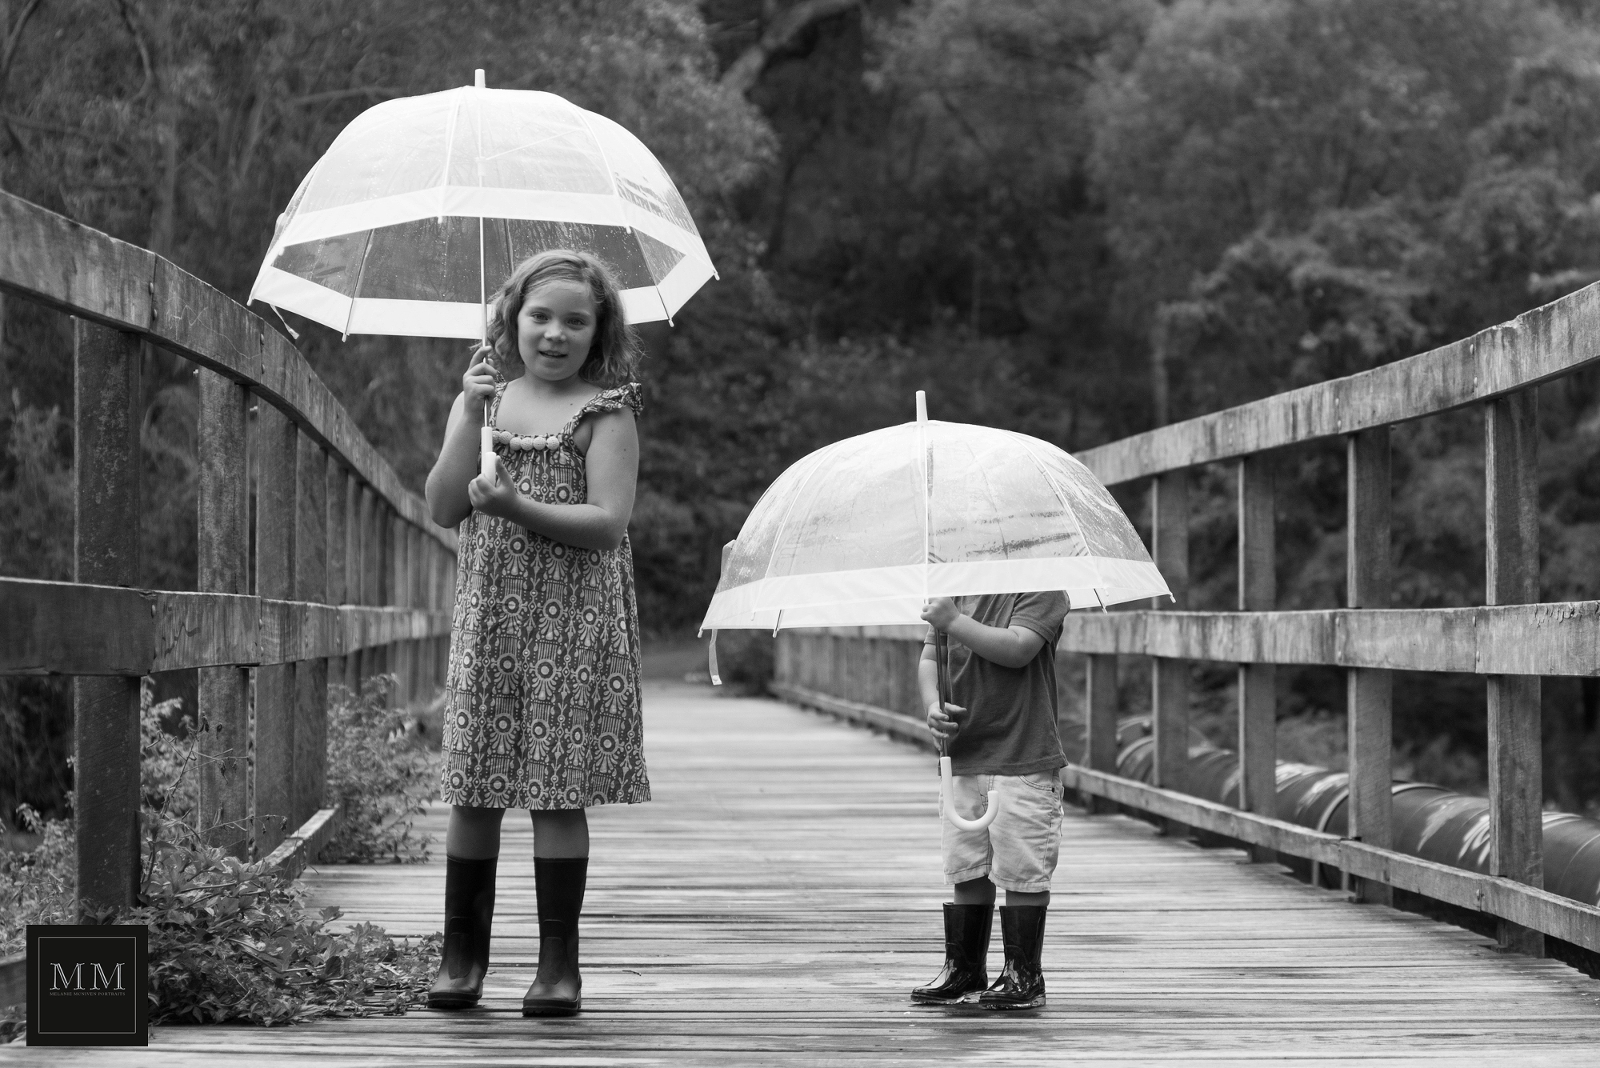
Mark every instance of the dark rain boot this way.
pixel 966 949
pixel 1021 982
pixel 468 914
pixel 557 988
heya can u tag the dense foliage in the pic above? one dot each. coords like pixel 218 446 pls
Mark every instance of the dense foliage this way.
pixel 1076 218
pixel 381 774
pixel 231 940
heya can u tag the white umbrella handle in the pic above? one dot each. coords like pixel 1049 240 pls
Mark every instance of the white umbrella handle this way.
pixel 486 455
pixel 947 795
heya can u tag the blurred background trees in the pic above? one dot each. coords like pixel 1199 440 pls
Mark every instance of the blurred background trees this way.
pixel 1074 218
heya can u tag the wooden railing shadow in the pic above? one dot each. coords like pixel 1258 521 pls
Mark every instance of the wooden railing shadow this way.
pixel 350 577
pixel 1513 640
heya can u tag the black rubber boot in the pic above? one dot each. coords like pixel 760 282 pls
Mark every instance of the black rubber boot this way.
pixel 468 915
pixel 557 988
pixel 966 949
pixel 1021 982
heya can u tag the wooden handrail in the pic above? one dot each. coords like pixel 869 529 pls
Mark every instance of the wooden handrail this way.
pixel 49 259
pixel 351 577
pixel 1548 342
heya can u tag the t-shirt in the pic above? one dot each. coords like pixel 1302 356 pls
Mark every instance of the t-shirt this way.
pixel 1009 727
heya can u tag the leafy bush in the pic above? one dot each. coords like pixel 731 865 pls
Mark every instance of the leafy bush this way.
pixel 384 775
pixel 232 941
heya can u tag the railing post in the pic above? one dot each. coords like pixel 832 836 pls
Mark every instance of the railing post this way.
pixel 109 407
pixel 399 590
pixel 223 567
pixel 1516 786
pixel 352 572
pixel 1100 721
pixel 1258 683
pixel 1169 678
pixel 276 462
pixel 310 584
pixel 1369 691
pixel 366 523
pixel 337 514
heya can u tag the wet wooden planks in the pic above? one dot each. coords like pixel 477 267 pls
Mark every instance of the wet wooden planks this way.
pixel 779 897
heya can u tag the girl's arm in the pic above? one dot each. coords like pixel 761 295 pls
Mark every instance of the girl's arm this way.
pixel 458 461
pixel 613 470
pixel 446 490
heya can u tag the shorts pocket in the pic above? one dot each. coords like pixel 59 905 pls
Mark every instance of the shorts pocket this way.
pixel 1046 782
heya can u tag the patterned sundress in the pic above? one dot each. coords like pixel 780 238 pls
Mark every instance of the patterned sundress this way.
pixel 542 696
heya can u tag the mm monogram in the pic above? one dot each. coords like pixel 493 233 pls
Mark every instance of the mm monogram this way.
pixel 61 979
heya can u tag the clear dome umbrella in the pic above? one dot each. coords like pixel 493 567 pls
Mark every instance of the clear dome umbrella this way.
pixel 424 203
pixel 865 531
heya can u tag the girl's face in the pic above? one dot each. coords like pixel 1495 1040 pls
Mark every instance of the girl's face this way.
pixel 555 328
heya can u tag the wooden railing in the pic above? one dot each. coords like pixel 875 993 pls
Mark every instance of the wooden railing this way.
pixel 350 577
pixel 1512 641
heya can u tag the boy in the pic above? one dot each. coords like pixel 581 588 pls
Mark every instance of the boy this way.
pixel 1000 732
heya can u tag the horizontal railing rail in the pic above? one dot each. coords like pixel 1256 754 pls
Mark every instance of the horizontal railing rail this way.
pixel 1548 342
pixel 344 575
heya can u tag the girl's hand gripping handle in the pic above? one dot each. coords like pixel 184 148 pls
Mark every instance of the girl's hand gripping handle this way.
pixel 948 806
pixel 486 454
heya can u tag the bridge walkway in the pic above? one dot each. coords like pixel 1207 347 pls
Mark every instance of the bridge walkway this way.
pixel 779 897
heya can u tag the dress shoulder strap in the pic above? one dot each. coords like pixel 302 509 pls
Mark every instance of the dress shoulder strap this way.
pixel 608 400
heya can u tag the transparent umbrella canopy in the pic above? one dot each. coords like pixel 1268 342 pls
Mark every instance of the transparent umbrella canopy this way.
pixel 865 531
pixel 424 203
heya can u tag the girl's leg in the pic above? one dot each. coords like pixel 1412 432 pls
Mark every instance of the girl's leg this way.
pixel 561 834
pixel 561 867
pixel 472 850
pixel 474 833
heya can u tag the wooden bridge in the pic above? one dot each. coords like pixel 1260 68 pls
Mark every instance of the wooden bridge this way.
pixel 781 895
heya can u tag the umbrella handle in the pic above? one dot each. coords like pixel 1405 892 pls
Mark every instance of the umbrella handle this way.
pixel 947 799
pixel 486 455
pixel 947 795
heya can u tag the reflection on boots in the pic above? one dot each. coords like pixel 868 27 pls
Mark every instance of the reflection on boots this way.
pixel 1021 982
pixel 966 945
pixel 557 989
pixel 468 916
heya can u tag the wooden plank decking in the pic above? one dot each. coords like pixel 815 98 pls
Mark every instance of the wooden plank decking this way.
pixel 776 901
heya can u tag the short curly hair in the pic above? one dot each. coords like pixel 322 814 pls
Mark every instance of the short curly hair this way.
pixel 613 358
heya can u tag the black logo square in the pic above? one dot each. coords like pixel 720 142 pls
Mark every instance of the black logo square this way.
pixel 88 986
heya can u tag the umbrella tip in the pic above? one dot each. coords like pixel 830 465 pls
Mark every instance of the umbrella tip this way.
pixel 478 81
pixel 922 406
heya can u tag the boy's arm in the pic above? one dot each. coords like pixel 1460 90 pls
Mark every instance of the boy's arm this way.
pixel 1010 647
pixel 939 719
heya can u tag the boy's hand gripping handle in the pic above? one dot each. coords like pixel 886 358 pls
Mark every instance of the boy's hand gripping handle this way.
pixel 947 801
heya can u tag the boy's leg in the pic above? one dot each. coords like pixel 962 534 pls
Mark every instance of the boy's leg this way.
pixel 472 851
pixel 561 869
pixel 1027 837
pixel 969 918
pixel 979 891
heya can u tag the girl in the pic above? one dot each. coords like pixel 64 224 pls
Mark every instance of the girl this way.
pixel 542 696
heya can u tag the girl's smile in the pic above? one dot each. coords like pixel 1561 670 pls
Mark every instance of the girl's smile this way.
pixel 555 329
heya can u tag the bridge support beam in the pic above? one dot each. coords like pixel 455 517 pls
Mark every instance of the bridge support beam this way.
pixel 108 399
pixel 1516 780
pixel 223 553
pixel 276 464
pixel 1369 692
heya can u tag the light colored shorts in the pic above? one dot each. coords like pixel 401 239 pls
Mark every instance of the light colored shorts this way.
pixel 1018 850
